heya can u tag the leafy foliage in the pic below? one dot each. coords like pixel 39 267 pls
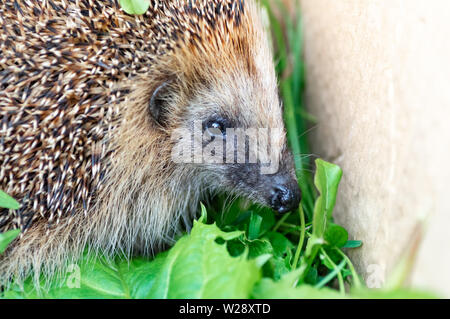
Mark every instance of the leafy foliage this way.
pixel 196 267
pixel 247 256
pixel 135 6
pixel 286 289
pixel 7 237
pixel 7 201
pixel 211 262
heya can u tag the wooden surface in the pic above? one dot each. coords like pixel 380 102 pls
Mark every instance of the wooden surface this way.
pixel 378 82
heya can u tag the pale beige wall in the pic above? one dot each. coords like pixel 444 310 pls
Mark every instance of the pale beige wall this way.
pixel 378 81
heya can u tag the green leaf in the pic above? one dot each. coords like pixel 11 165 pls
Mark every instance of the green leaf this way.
pixel 236 247
pixel 327 180
pixel 96 278
pixel 255 248
pixel 336 235
pixel 204 215
pixel 333 255
pixel 198 267
pixel 281 245
pixel 6 239
pixel 276 267
pixel 255 226
pixel 312 276
pixel 261 260
pixel 259 247
pixel 268 220
pixel 352 244
pixel 7 201
pixel 313 246
pixel 140 274
pixel 286 289
pixel 91 278
pixel 134 6
pixel 279 264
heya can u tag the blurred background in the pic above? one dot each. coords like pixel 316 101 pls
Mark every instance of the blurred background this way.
pixel 377 83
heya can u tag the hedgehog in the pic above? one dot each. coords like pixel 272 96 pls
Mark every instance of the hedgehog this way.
pixel 90 98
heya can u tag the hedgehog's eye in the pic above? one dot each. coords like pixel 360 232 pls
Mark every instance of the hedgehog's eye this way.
pixel 215 127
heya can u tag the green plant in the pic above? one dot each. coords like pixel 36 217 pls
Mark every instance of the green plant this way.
pixel 239 255
pixel 6 238
pixel 135 6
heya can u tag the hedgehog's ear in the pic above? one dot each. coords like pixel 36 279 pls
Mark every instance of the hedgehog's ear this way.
pixel 158 103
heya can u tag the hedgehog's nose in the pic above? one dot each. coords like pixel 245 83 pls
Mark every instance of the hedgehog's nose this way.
pixel 285 197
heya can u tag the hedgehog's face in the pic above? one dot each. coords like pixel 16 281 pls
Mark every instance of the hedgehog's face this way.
pixel 229 136
pixel 244 139
pixel 221 108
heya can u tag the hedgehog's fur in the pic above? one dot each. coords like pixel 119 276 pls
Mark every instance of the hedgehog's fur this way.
pixel 78 149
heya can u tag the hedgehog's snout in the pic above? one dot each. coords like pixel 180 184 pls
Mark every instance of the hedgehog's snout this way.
pixel 284 194
pixel 279 191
